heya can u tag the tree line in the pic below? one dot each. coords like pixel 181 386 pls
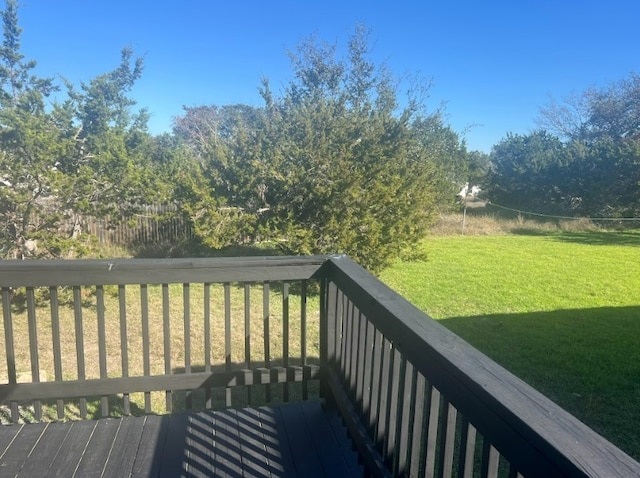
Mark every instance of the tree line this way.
pixel 336 161
pixel 583 161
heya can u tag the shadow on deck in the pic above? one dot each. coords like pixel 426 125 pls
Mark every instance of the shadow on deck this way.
pixel 296 439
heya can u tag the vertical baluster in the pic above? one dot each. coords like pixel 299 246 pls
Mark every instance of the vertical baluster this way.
pixel 186 307
pixel 376 366
pixel 247 335
pixel 303 338
pixel 353 348
pixel 490 460
pixel 124 344
pixel 360 365
pixel 227 339
pixel 207 341
pixel 341 331
pixel 392 405
pixel 57 351
pixel 102 346
pixel 33 348
pixel 347 334
pixel 369 334
pixel 285 338
pixel 383 393
pixel 166 326
pixel 146 349
pixel 467 453
pixel 266 327
pixel 433 399
pixel 447 437
pixel 406 407
pixel 9 348
pixel 337 310
pixel 77 314
pixel 328 336
pixel 419 424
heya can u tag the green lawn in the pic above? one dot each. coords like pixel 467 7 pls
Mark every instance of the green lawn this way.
pixel 560 310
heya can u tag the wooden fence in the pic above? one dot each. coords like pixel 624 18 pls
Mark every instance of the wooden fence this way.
pixel 154 224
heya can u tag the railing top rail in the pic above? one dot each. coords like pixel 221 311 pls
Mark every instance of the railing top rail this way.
pixel 527 427
pixel 35 273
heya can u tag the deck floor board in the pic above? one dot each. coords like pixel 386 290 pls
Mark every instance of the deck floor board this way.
pixel 96 454
pixel 201 452
pixel 21 447
pixel 71 450
pixel 252 444
pixel 149 450
pixel 48 445
pixel 123 455
pixel 289 440
pixel 306 460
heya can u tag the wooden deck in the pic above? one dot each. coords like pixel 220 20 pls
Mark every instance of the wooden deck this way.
pixel 296 439
pixel 417 399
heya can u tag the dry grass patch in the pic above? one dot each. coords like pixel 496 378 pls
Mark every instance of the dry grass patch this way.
pixel 485 224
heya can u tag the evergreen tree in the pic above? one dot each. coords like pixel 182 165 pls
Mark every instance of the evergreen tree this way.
pixel 329 166
pixel 84 155
pixel 30 144
pixel 594 172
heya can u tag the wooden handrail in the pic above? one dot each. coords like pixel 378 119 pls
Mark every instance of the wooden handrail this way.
pixel 537 437
pixel 16 273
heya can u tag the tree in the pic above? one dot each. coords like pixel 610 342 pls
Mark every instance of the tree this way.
pixel 111 165
pixel 611 111
pixel 601 128
pixel 30 142
pixel 448 154
pixel 478 164
pixel 330 165
pixel 566 119
pixel 614 111
pixel 604 177
pixel 217 189
pixel 83 155
pixel 530 172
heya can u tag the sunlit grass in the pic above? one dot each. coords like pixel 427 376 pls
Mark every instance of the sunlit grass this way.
pixel 560 310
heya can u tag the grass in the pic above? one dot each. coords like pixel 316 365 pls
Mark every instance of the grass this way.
pixel 560 309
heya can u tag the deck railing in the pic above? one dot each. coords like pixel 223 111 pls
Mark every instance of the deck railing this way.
pixel 97 338
pixel 419 401
pixel 201 333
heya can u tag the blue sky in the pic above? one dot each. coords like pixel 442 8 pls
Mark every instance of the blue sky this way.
pixel 494 63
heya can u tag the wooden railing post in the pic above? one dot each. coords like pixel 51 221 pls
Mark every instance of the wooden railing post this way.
pixel 327 337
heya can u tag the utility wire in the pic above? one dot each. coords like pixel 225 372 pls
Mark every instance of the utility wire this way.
pixel 489 203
